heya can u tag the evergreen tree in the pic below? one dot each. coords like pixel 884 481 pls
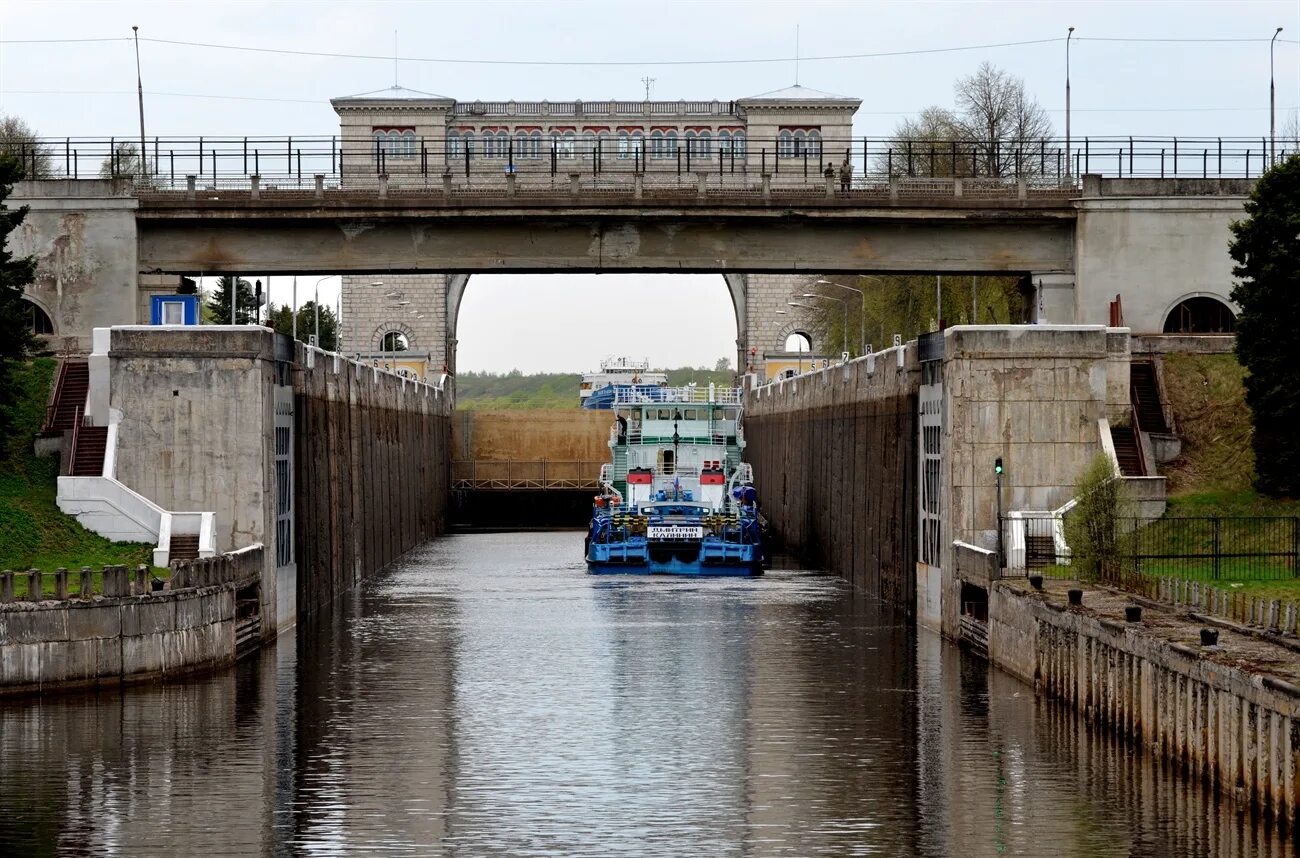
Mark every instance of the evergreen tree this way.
pixel 281 318
pixel 1266 248
pixel 16 339
pixel 218 304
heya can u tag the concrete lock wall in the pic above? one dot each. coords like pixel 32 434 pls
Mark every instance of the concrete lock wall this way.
pixel 1217 722
pixel 109 640
pixel 834 456
pixel 372 467
pixel 528 436
pixel 83 235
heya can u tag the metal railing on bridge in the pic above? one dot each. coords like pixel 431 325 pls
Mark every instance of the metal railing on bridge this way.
pixel 542 474
pixel 544 165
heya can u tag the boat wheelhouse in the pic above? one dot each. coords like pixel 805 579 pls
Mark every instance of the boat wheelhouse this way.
pixel 597 388
pixel 676 497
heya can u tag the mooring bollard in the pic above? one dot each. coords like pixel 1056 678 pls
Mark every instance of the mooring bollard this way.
pixel 1209 637
pixel 1036 581
pixel 87 582
pixel 34 588
pixel 7 586
pixel 141 580
pixel 1133 613
pixel 1075 596
pixel 61 583
pixel 116 581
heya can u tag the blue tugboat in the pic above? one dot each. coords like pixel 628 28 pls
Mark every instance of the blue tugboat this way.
pixel 676 498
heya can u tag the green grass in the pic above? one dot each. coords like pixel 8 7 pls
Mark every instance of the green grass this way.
pixel 33 532
pixel 1208 399
pixel 491 391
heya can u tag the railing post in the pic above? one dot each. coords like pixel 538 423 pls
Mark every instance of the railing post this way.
pixel 255 186
pixel 510 184
pixel 6 586
pixel 34 589
pixel 189 185
pixel 61 583
pixel 86 584
pixel 383 185
pixel 1218 537
pixel 320 185
pixel 767 186
pixel 638 184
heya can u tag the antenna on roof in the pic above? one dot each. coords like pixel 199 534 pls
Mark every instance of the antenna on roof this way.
pixel 796 54
pixel 649 82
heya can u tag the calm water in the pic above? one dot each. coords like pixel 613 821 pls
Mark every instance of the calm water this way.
pixel 487 697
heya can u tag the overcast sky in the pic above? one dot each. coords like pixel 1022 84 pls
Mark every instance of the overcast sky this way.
pixel 1190 88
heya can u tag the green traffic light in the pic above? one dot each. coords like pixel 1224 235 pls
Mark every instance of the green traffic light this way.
pixel 997 465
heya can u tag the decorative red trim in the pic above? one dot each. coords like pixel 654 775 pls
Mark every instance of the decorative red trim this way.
pixel 595 128
pixel 798 128
pixel 712 480
pixel 642 479
pixel 375 128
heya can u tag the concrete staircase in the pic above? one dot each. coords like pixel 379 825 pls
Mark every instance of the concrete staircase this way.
pixel 1040 551
pixel 70 389
pixel 1127 452
pixel 620 470
pixel 88 451
pixel 1145 393
pixel 183 547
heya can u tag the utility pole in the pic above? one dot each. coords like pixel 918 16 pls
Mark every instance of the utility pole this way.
pixel 1272 118
pixel 139 87
pixel 974 302
pixel 294 312
pixel 1069 162
pixel 938 302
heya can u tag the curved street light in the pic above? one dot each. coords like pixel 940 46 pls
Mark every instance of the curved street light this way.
pixel 862 345
pixel 1272 122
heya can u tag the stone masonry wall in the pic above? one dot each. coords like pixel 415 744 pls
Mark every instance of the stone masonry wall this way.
pixel 834 456
pixel 368 314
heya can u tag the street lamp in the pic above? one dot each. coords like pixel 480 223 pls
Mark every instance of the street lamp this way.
pixel 1272 121
pixel 353 324
pixel 845 307
pixel 1069 163
pixel 862 346
pixel 316 310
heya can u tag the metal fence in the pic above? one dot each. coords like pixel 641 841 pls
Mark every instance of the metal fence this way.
pixel 1203 548
pixel 514 475
pixel 223 162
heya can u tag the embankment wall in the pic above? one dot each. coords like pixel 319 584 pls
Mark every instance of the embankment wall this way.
pixel 576 435
pixel 1239 731
pixel 372 470
pixel 834 456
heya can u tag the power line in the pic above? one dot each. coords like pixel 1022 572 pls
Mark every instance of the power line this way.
pixel 167 94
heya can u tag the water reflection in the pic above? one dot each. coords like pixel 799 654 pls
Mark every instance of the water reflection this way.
pixel 486 697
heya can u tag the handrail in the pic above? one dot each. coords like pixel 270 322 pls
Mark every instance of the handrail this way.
pixel 1137 432
pixel 52 408
pixel 687 395
pixel 76 436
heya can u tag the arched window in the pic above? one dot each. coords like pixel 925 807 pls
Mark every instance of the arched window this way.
pixel 738 143
pixel 489 144
pixel 588 144
pixel 638 143
pixel 503 143
pixel 535 150
pixel 724 142
pixel 39 322
pixel 656 144
pixel 785 145
pixel 521 144
pixel 1200 315
pixel 800 143
pixel 394 143
pixel 688 140
pixel 705 144
pixel 408 142
pixel 670 144
pixel 622 145
pixel 381 143
pixel 603 139
pixel 469 143
pixel 815 144
pixel 394 341
pixel 798 342
pixel 453 144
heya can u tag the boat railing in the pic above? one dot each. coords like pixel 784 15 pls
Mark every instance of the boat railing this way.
pixel 636 436
pixel 689 394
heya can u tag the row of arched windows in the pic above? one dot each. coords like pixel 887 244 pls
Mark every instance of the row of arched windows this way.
pixel 798 143
pixel 395 143
pixel 567 144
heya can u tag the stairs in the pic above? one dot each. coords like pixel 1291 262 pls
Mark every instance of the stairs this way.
pixel 620 470
pixel 1146 397
pixel 183 547
pixel 1126 442
pixel 88 452
pixel 1040 551
pixel 70 394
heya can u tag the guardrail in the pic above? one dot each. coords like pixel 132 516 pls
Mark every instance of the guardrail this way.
pixel 36 585
pixel 540 474
pixel 710 395
pixel 287 161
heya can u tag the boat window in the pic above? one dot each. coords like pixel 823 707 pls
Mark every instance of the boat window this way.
pixel 717 414
pixel 665 414
pixel 689 414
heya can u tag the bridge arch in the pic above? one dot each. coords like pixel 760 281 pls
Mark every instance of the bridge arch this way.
pixel 384 330
pixel 1200 313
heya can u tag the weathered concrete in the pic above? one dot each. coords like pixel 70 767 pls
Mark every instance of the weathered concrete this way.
pixel 108 640
pixel 1229 715
pixel 373 453
pixel 83 235
pixel 834 456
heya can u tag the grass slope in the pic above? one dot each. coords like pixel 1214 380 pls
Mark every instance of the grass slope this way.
pixel 33 532
pixel 489 391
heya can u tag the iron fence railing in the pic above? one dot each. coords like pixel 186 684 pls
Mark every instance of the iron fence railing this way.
pixel 543 474
pixel 1202 548
pixel 294 161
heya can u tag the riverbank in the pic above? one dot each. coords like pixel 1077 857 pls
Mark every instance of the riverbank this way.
pixel 1227 713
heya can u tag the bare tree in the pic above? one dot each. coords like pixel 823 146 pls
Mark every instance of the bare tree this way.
pixel 123 162
pixel 19 139
pixel 996 129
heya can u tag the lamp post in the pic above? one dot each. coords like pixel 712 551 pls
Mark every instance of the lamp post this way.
pixel 1272 118
pixel 1069 161
pixel 354 321
pixel 316 310
pixel 139 87
pixel 804 307
pixel 862 345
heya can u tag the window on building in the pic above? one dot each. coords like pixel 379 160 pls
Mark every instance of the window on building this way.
pixel 568 143
pixel 785 145
pixel 1201 315
pixel 670 144
pixel 38 320
pixel 408 142
pixel 603 139
pixel 173 313
pixel 503 143
pixel 738 143
pixel 453 144
pixel 705 144
pixel 469 143
pixel 656 144
pixel 688 140
pixel 814 144
pixel 724 142
pixel 588 144
pixel 798 342
pixel 521 144
pixel 638 143
pixel 624 145
pixel 535 141
pixel 394 341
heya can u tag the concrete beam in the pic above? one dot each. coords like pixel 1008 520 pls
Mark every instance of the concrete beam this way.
pixel 868 241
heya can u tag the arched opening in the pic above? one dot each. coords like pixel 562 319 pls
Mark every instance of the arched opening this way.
pixel 1200 315
pixel 798 341
pixel 38 320
pixel 394 341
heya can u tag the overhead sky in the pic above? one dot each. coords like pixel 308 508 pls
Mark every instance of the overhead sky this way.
pixel 1137 68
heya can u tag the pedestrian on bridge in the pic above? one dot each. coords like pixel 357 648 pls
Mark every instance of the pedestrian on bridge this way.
pixel 846 174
